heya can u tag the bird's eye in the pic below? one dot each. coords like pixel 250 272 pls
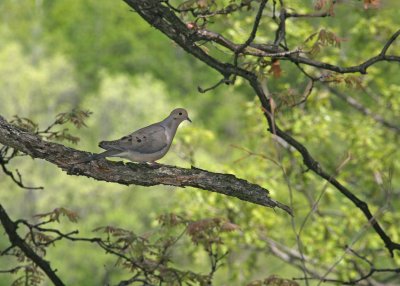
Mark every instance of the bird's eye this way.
pixel 180 113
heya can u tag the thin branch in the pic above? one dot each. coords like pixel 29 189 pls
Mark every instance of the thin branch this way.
pixel 292 256
pixel 311 15
pixel 306 93
pixel 224 80
pixel 252 35
pixel 253 49
pixel 353 102
pixel 18 180
pixel 364 110
pixel 281 31
pixel 389 43
pixel 256 24
pixel 368 275
pixel 11 229
pixel 13 270
pixel 133 280
pixel 138 174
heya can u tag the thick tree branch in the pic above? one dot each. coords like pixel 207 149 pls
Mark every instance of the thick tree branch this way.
pixel 137 174
pixel 10 228
pixel 165 20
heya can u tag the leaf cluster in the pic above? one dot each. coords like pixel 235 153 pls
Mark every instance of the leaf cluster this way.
pixel 76 117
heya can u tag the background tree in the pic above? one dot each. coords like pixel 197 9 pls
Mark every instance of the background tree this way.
pixel 323 75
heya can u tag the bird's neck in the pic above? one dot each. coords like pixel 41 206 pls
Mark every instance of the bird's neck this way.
pixel 171 125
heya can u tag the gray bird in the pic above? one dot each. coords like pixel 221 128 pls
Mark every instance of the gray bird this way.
pixel 147 144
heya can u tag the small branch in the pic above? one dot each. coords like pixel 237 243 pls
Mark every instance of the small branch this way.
pixel 364 110
pixel 11 229
pixel 252 35
pixel 134 280
pixel 292 257
pixel 389 43
pixel 281 31
pixel 321 14
pixel 215 259
pixel 224 80
pixel 18 180
pixel 13 270
pixel 137 174
pixel 253 49
pixel 256 24
pixel 367 276
pixel 307 92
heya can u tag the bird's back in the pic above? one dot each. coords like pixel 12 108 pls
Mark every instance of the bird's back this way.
pixel 149 139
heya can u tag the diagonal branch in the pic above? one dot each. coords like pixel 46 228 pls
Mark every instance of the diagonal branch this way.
pixel 165 20
pixel 11 229
pixel 281 31
pixel 137 174
pixel 253 33
pixel 255 27
pixel 364 110
pixel 18 179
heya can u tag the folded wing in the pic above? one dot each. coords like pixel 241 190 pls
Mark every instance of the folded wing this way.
pixel 147 140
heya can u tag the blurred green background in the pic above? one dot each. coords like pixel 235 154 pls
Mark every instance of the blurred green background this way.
pixel 101 56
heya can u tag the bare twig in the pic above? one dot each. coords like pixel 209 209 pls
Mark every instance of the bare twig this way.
pixel 256 24
pixel 13 270
pixel 18 179
pixel 252 35
pixel 281 31
pixel 367 276
pixel 364 110
pixel 224 80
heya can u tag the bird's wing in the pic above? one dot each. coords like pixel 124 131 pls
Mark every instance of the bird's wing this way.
pixel 147 140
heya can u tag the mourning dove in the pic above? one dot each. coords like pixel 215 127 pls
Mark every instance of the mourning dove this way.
pixel 147 144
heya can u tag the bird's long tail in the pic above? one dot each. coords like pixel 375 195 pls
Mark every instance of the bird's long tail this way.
pixel 94 157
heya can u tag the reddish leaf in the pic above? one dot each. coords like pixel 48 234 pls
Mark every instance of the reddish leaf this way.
pixel 276 69
pixel 57 212
pixel 228 226
pixel 372 4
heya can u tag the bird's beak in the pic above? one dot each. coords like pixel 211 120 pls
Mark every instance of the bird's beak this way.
pixel 188 119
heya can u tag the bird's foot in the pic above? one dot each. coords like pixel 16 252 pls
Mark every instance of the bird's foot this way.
pixel 149 165
pixel 153 165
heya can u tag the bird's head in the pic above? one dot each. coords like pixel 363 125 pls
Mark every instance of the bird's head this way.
pixel 180 114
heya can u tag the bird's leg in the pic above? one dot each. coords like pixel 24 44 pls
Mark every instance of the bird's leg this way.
pixel 149 165
pixel 153 165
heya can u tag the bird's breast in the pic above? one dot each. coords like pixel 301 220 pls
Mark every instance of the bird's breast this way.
pixel 168 135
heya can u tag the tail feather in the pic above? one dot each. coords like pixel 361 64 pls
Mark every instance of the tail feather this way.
pixel 104 144
pixel 99 156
